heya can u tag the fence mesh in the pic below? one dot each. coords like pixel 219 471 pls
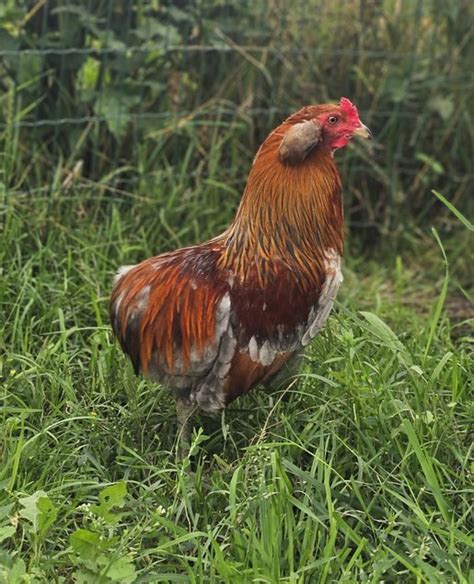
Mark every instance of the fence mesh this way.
pixel 128 84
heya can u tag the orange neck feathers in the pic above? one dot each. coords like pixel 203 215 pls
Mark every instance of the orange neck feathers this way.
pixel 288 214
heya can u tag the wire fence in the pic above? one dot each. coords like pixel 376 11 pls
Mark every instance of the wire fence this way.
pixel 128 83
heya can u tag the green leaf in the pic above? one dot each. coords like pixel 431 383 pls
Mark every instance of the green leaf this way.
pixel 110 497
pixel 428 469
pixel 6 532
pixel 441 299
pixel 444 106
pixel 88 74
pixel 85 576
pixel 155 30
pixel 431 162
pixel 428 417
pixel 382 331
pixel 464 220
pixel 5 510
pixel 30 509
pixel 30 68
pixel 39 510
pixel 13 573
pixel 86 543
pixel 437 370
pixel 47 515
pixel 386 337
pixel 119 570
pixel 115 108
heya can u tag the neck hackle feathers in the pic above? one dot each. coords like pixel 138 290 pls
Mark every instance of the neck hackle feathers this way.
pixel 290 215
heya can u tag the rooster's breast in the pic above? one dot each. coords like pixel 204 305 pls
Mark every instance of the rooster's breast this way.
pixel 272 324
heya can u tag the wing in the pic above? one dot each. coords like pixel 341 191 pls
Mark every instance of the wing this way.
pixel 170 314
pixel 276 323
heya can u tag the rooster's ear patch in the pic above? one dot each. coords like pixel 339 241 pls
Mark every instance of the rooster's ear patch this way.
pixel 298 142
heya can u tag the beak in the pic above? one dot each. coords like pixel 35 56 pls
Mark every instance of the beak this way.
pixel 363 131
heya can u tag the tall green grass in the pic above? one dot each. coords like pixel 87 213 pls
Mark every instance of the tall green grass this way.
pixel 360 472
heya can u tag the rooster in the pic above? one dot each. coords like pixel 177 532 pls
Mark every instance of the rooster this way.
pixel 213 320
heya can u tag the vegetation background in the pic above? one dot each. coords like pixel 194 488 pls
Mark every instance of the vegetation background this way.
pixel 127 128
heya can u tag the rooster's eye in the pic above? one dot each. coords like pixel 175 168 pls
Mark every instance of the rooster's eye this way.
pixel 332 119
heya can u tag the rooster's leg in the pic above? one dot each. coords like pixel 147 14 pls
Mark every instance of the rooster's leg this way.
pixel 184 412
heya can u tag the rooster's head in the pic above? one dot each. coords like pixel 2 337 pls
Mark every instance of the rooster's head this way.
pixel 327 127
pixel 340 122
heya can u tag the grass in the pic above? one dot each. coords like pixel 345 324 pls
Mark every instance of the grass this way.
pixel 361 472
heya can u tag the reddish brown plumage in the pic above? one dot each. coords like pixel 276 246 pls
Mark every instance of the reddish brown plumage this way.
pixel 244 374
pixel 180 285
pixel 213 320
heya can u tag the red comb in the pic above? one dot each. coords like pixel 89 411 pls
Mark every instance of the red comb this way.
pixel 350 110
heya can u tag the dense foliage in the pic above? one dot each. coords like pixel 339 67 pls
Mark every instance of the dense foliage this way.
pixel 123 87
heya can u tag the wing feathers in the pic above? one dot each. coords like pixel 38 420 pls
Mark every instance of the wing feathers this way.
pixel 170 312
